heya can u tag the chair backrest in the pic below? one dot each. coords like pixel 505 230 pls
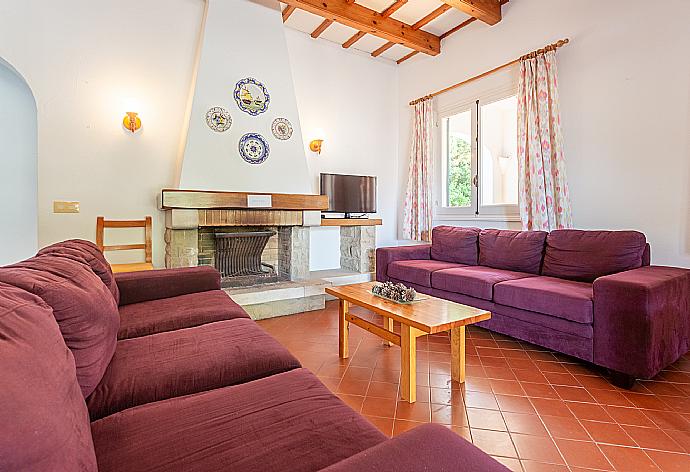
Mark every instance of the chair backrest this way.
pixel 102 223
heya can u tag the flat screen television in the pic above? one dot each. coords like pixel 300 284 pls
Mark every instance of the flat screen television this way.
pixel 349 193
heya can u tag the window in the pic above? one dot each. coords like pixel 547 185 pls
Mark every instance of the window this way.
pixel 479 173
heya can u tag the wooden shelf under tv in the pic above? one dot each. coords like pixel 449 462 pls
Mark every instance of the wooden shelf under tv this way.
pixel 351 222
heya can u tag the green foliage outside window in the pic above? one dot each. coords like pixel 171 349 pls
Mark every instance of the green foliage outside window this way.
pixel 459 172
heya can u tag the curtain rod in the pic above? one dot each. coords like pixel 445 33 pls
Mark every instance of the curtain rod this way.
pixel 550 47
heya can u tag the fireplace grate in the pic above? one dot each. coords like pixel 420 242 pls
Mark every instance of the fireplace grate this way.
pixel 239 254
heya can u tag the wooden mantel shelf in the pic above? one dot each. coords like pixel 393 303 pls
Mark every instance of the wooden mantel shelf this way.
pixel 351 222
pixel 210 199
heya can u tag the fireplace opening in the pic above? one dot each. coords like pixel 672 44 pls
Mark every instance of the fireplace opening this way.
pixel 238 257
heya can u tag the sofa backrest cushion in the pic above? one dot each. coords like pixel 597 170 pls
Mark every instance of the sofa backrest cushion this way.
pixel 45 424
pixel 86 251
pixel 455 244
pixel 586 255
pixel 82 305
pixel 521 251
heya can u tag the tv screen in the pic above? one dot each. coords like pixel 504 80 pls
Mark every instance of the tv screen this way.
pixel 349 193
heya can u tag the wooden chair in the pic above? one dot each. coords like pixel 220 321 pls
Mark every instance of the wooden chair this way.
pixel 102 223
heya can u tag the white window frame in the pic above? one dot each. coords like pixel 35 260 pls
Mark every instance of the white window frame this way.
pixel 477 211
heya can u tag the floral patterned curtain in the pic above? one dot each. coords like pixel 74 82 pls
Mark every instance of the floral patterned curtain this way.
pixel 417 212
pixel 544 198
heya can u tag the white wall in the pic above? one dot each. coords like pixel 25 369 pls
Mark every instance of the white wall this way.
pixel 348 99
pixel 244 39
pixel 625 104
pixel 18 168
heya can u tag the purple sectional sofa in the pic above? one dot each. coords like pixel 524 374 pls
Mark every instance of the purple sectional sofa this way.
pixel 589 294
pixel 161 371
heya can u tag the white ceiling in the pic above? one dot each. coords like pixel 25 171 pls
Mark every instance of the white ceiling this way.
pixel 411 12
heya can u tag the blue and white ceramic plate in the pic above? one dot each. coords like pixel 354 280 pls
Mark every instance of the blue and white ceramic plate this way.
pixel 218 119
pixel 254 148
pixel 251 96
pixel 281 129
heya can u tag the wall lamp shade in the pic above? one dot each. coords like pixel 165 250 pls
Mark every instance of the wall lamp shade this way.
pixel 315 145
pixel 132 122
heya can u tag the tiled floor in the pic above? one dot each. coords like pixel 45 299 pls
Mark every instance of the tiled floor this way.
pixel 532 409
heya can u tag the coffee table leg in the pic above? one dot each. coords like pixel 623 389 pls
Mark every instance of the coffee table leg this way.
pixel 343 330
pixel 457 354
pixel 408 361
pixel 388 325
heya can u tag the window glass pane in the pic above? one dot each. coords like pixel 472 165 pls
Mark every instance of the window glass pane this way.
pixel 458 136
pixel 499 170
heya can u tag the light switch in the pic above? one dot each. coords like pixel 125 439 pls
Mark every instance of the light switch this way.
pixel 65 207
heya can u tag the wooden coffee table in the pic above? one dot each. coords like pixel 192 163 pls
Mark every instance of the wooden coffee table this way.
pixel 428 316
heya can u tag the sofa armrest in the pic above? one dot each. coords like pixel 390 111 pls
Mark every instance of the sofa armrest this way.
pixel 386 255
pixel 148 285
pixel 429 447
pixel 641 319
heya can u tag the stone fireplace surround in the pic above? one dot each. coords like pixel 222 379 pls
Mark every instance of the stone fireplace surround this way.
pixel 191 218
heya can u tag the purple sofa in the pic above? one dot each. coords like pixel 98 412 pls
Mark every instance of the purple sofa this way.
pixel 589 294
pixel 161 371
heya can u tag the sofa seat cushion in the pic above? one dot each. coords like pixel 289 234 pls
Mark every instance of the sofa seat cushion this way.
pixel 477 281
pixel 45 425
pixel 186 361
pixel 418 271
pixel 565 299
pixel 586 255
pixel 83 306
pixel 169 314
pixel 287 422
pixel 455 244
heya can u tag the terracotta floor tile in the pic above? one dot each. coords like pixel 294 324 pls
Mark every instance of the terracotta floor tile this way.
pixel 574 394
pixel 461 431
pixel 501 373
pixel 668 420
pixel 400 426
pixel 353 401
pixel 481 400
pixel 386 375
pixel 495 362
pixel 628 458
pixel 385 425
pixel 447 396
pixel 589 411
pixel 519 363
pixel 353 387
pixel 565 428
pixel 486 419
pixel 525 424
pixel 583 454
pixel 539 390
pixel 512 464
pixel 670 462
pixel 506 387
pixel 495 443
pixel 548 366
pixel 609 397
pixel 609 433
pixel 413 411
pixel 537 448
pixel 629 416
pixel 382 390
pixel 555 378
pixel 449 415
pixel 514 404
pixel 530 375
pixel 547 407
pixel 330 382
pixel 682 438
pixel 358 373
pixel 439 380
pixel 379 407
pixel 652 438
pixel 478 384
pixel 647 402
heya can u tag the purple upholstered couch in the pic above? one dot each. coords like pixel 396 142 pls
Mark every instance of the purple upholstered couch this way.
pixel 589 294
pixel 161 371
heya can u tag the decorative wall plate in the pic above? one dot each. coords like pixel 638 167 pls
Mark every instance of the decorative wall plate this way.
pixel 251 96
pixel 254 148
pixel 281 128
pixel 218 119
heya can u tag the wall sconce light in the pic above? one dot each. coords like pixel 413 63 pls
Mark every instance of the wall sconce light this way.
pixel 131 121
pixel 315 145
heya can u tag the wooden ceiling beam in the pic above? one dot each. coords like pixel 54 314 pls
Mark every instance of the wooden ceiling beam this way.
pixel 424 21
pixel 353 39
pixel 406 57
pixel 321 28
pixel 395 6
pixel 371 22
pixel 488 11
pixel 289 10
